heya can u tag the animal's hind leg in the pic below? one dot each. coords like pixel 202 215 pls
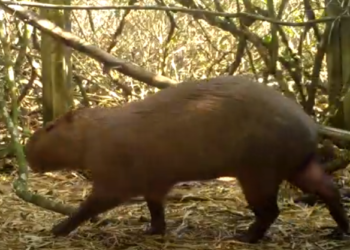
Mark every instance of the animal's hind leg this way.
pixel 155 204
pixel 261 195
pixel 313 179
pixel 88 209
pixel 156 209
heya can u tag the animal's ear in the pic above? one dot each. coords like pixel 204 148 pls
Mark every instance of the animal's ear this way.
pixel 69 116
pixel 49 126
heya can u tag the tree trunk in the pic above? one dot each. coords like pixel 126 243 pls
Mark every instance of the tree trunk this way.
pixel 56 66
pixel 338 61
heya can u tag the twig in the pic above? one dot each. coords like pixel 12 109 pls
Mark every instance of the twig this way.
pixel 175 9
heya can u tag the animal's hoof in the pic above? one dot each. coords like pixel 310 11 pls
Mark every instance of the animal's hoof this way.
pixel 95 219
pixel 246 238
pixel 61 229
pixel 338 234
pixel 155 230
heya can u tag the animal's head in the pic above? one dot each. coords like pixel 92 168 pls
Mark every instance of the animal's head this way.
pixel 56 146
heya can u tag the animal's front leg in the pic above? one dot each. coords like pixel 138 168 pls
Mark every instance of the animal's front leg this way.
pixel 89 208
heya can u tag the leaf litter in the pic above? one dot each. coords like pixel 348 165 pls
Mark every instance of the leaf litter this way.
pixel 207 217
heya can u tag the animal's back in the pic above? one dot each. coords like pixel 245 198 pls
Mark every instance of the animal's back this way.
pixel 202 131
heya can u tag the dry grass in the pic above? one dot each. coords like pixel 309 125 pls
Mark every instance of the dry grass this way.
pixel 192 224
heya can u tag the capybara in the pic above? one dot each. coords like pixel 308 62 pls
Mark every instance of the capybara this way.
pixel 197 130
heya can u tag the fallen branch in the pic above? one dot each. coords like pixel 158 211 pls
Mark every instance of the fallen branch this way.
pixel 73 41
pixel 336 133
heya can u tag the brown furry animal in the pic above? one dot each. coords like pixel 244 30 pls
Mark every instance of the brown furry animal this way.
pixel 198 130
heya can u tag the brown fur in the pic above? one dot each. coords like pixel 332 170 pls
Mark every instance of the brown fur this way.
pixel 198 130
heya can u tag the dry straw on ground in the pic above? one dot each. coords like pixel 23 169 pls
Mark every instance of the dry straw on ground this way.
pixel 192 224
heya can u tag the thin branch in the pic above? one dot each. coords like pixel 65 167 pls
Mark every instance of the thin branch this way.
pixel 120 28
pixel 176 9
pixel 273 46
pixel 241 47
pixel 171 33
